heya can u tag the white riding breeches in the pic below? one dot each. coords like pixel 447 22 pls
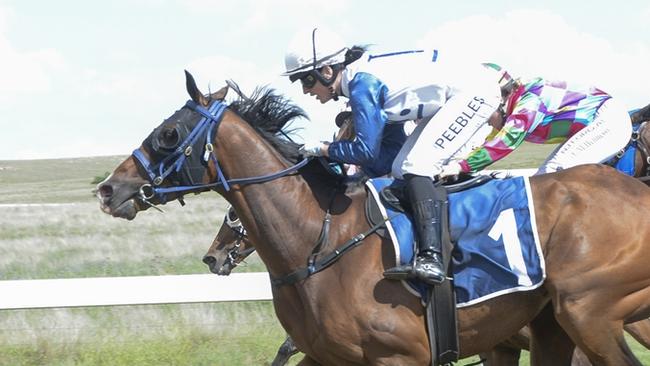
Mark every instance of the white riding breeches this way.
pixel 459 125
pixel 605 136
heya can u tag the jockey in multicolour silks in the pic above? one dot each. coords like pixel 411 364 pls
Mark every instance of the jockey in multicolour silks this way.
pixel 451 101
pixel 591 125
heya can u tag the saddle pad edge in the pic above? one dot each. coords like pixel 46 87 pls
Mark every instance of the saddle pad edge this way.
pixel 391 233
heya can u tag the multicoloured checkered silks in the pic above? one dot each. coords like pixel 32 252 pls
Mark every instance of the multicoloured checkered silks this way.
pixel 539 111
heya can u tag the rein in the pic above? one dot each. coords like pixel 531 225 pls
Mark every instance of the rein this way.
pixel 175 161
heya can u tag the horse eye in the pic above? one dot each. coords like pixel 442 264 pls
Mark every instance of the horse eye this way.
pixel 169 138
pixel 166 139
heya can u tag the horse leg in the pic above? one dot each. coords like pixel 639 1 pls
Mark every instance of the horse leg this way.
pixel 286 350
pixel 508 352
pixel 599 337
pixel 640 331
pixel 501 355
pixel 549 343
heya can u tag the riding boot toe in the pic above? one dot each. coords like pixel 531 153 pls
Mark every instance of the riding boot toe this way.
pixel 429 269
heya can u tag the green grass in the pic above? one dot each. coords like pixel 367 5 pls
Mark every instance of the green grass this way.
pixel 77 240
pixel 52 180
pixel 527 156
pixel 190 334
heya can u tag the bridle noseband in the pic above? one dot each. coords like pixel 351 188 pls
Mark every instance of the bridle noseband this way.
pixel 234 256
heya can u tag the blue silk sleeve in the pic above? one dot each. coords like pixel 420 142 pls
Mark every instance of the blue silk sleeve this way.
pixel 367 96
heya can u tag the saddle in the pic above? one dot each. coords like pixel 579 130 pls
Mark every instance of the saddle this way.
pixel 394 195
pixel 440 300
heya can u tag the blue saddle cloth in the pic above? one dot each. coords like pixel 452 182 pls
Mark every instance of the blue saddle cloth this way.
pixel 493 228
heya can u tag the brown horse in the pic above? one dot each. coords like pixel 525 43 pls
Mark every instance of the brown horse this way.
pixel 231 246
pixel 597 276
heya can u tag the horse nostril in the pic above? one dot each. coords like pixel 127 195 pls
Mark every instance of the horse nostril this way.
pixel 209 260
pixel 105 190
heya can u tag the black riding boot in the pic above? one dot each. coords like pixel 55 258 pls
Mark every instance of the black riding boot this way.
pixel 427 204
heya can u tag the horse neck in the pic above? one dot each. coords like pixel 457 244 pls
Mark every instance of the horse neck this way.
pixel 282 216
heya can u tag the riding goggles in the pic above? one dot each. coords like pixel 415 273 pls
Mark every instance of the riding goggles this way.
pixel 308 81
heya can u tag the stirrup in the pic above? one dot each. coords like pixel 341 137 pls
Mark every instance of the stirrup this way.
pixel 399 273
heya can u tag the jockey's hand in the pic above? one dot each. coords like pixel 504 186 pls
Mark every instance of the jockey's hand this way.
pixel 313 148
pixel 451 169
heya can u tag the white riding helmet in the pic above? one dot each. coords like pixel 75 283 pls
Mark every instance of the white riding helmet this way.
pixel 312 49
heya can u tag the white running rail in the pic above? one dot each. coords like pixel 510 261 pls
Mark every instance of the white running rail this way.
pixel 105 291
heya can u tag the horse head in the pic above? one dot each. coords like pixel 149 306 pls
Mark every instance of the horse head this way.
pixel 175 153
pixel 230 247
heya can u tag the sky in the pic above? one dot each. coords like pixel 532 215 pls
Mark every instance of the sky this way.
pixel 92 78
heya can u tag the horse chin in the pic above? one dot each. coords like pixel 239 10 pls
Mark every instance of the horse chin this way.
pixel 224 270
pixel 126 210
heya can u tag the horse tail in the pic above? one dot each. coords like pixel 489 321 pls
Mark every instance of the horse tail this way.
pixel 641 115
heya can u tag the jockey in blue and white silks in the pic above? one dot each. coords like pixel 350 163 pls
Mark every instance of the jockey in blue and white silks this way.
pixel 450 99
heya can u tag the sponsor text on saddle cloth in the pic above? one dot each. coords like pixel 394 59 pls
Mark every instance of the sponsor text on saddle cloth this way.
pixel 493 228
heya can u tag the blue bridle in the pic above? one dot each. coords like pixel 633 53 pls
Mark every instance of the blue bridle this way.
pixel 211 117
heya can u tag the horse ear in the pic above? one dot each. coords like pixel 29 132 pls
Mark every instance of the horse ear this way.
pixel 219 95
pixel 194 91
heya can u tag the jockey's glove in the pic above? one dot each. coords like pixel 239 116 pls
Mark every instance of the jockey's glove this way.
pixel 451 169
pixel 312 148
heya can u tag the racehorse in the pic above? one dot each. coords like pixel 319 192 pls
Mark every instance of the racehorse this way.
pixel 231 246
pixel 597 276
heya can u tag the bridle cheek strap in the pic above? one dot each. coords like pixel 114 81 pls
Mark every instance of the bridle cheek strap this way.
pixel 210 122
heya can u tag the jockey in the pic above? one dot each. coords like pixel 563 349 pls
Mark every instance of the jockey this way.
pixel 318 58
pixel 451 100
pixel 591 125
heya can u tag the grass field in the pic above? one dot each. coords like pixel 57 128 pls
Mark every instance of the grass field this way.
pixel 77 240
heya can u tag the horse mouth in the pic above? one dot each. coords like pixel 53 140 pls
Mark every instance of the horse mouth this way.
pixel 126 210
pixel 222 270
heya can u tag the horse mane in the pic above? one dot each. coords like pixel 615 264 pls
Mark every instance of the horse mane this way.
pixel 268 113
